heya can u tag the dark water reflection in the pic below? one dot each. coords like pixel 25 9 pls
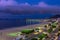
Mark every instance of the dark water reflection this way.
pixel 10 23
pixel 10 20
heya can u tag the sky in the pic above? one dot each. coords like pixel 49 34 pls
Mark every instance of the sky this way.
pixel 19 6
pixel 51 2
pixel 32 2
pixel 10 7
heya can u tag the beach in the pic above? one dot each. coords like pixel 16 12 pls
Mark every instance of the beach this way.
pixel 4 36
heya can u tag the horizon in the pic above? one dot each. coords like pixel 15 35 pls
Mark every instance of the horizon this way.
pixel 14 12
pixel 26 6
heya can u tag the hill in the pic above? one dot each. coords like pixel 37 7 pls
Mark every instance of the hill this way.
pixel 56 16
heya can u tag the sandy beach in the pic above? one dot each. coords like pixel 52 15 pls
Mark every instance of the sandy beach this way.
pixel 4 36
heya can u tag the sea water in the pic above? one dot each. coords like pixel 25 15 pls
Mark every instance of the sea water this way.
pixel 10 21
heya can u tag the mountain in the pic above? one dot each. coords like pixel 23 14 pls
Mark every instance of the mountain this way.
pixel 56 16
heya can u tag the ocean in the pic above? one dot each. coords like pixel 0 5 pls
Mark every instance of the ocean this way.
pixel 10 21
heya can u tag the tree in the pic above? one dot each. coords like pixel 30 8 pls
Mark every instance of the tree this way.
pixel 37 29
pixel 50 30
pixel 53 26
pixel 41 36
pixel 27 31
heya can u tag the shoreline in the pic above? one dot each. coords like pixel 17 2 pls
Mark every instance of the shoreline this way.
pixel 4 35
pixel 21 27
pixel 24 27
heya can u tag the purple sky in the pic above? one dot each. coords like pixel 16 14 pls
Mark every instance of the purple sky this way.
pixel 14 7
pixel 14 3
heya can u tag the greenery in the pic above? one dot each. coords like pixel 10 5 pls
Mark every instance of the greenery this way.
pixel 37 29
pixel 14 34
pixel 41 36
pixel 50 30
pixel 27 31
pixel 54 25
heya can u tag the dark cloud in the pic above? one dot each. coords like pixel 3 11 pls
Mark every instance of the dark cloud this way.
pixel 11 6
